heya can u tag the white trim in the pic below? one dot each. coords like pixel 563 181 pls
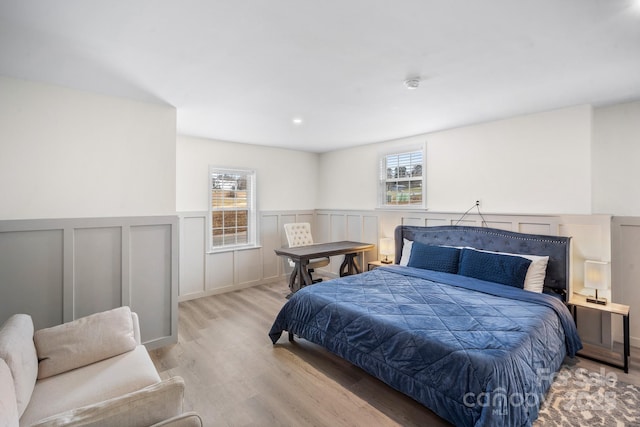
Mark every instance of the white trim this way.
pixel 382 177
pixel 252 208
pixel 222 249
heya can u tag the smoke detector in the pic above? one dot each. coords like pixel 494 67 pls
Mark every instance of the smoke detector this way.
pixel 412 84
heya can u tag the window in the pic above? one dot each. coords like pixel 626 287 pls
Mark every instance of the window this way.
pixel 232 208
pixel 401 179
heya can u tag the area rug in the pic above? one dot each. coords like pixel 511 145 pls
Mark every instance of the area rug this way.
pixel 579 397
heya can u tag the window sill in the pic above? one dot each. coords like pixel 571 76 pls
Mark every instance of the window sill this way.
pixel 401 208
pixel 233 249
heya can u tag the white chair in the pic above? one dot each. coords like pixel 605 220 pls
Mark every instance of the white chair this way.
pixel 299 234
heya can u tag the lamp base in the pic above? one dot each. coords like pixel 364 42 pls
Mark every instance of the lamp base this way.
pixel 386 261
pixel 601 301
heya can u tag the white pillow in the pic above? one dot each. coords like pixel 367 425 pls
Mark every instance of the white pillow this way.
pixel 534 280
pixel 84 341
pixel 406 251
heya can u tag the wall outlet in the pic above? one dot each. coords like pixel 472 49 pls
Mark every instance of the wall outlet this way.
pixel 478 203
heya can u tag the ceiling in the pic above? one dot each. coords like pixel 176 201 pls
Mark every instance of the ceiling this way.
pixel 242 70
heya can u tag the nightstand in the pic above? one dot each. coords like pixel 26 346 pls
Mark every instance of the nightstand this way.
pixel 578 300
pixel 374 264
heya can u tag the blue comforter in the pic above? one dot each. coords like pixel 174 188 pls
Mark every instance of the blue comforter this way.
pixel 476 353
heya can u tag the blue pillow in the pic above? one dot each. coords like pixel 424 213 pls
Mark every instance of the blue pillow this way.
pixel 503 269
pixel 436 258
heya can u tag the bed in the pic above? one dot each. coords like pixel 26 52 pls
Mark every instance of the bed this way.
pixel 450 324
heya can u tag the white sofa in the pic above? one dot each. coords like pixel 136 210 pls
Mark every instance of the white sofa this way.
pixel 89 372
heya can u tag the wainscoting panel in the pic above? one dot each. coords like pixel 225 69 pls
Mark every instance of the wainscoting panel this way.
pixel 338 227
pixel 465 222
pixel 434 222
pixel 150 279
pixel 526 227
pixel 370 234
pixel 31 274
pixel 355 227
pixel 307 216
pixel 248 266
pixel 97 262
pixel 337 232
pixel 322 231
pixel 417 221
pixel 220 271
pixel 359 226
pixel 625 273
pixel 271 239
pixel 57 270
pixel 503 225
pixel 192 249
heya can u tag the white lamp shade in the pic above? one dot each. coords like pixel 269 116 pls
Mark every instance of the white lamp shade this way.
pixel 387 246
pixel 597 275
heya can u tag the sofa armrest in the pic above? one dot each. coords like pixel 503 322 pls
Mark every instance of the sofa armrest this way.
pixel 142 408
pixel 136 327
pixel 188 419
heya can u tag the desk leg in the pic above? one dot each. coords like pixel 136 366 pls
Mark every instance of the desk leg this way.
pixel 305 277
pixel 343 266
pixel 354 263
pixel 292 280
pixel 300 277
pixel 349 265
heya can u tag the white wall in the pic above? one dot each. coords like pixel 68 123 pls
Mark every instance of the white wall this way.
pixel 67 153
pixel 349 177
pixel 286 179
pixel 538 163
pixel 616 157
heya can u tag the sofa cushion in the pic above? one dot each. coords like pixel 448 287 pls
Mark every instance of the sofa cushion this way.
pixel 18 351
pixel 90 384
pixel 8 406
pixel 141 408
pixel 84 341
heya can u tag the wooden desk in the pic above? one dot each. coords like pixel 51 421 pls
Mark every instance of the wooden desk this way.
pixel 301 255
pixel 578 300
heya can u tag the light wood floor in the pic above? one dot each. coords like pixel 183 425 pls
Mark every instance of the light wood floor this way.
pixel 235 377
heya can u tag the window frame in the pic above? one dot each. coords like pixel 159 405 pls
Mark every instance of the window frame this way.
pixel 383 179
pixel 252 210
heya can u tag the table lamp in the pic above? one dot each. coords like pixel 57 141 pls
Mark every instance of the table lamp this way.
pixel 597 275
pixel 386 249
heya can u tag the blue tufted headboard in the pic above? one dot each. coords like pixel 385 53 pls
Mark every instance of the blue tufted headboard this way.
pixel 491 239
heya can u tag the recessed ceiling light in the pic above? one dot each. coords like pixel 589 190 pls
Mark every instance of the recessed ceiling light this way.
pixel 297 120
